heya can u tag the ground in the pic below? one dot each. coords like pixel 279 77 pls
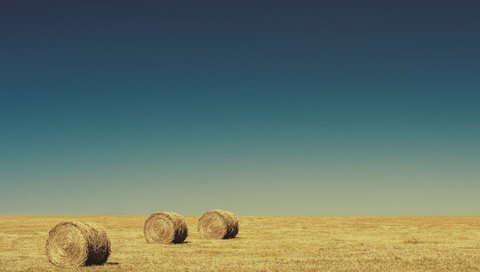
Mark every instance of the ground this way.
pixel 266 244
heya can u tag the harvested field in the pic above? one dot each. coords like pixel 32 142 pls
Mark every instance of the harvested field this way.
pixel 265 244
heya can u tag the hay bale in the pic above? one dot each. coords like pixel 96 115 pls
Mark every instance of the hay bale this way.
pixel 71 244
pixel 218 224
pixel 165 228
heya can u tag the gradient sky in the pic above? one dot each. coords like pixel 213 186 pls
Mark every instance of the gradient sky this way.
pixel 260 107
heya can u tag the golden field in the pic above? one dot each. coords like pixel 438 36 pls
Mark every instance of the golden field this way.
pixel 266 244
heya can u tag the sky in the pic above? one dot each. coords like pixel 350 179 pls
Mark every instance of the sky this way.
pixel 258 107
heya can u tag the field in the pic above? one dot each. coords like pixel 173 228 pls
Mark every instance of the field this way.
pixel 267 244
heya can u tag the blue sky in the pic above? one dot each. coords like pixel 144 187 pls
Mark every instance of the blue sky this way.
pixel 271 107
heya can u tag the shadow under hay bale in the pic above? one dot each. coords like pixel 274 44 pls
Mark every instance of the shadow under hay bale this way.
pixel 72 244
pixel 165 228
pixel 218 224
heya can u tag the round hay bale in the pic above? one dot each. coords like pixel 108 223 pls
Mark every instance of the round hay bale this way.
pixel 71 244
pixel 218 224
pixel 165 228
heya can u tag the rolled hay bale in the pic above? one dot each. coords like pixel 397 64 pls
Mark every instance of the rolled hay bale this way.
pixel 71 244
pixel 218 224
pixel 165 228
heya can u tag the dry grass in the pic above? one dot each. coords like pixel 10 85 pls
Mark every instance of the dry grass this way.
pixel 267 244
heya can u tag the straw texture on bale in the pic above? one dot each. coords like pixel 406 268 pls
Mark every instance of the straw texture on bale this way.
pixel 72 244
pixel 218 224
pixel 165 228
